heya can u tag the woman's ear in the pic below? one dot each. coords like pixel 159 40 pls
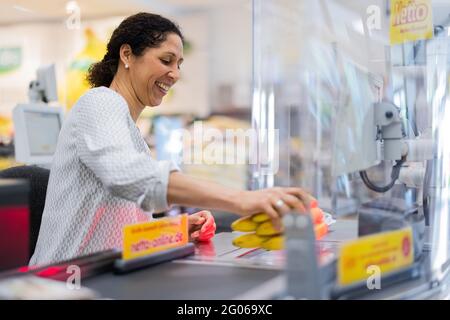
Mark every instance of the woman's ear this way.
pixel 126 54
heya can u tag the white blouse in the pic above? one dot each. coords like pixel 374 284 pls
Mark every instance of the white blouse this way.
pixel 102 178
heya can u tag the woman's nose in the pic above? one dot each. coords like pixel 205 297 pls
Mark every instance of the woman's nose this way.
pixel 175 74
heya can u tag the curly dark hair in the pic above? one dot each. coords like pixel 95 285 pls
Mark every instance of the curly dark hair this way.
pixel 140 31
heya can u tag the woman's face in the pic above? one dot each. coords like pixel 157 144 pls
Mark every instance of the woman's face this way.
pixel 156 70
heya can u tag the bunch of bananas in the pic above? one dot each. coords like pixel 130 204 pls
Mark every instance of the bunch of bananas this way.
pixel 262 234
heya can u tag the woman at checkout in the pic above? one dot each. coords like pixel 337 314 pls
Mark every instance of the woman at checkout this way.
pixel 103 176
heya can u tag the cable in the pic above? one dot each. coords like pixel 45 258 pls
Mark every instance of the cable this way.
pixel 426 191
pixel 394 176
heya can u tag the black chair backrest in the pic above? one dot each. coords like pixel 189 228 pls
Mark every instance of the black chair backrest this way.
pixel 38 179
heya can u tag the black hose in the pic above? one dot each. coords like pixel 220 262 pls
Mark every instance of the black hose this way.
pixel 394 176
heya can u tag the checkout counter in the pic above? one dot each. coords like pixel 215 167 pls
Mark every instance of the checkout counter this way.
pixel 217 270
pixel 220 271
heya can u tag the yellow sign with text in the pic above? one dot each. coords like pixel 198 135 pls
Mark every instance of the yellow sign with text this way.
pixel 145 238
pixel 389 251
pixel 411 20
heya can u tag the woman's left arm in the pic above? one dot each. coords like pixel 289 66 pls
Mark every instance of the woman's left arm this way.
pixel 193 192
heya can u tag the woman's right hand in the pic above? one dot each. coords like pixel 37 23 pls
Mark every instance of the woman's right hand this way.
pixel 274 201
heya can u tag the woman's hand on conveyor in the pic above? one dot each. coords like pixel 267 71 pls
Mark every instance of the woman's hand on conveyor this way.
pixel 275 202
pixel 202 226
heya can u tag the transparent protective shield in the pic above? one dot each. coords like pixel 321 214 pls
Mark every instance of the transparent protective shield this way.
pixel 437 182
pixel 358 94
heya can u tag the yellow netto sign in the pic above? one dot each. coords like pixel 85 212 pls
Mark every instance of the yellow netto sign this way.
pixel 387 251
pixel 145 238
pixel 411 20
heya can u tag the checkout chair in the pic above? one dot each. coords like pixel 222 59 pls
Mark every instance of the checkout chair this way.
pixel 38 180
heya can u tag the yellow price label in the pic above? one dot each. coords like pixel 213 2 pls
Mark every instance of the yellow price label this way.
pixel 411 20
pixel 145 238
pixel 389 251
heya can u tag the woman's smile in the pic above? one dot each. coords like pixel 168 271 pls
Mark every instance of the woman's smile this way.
pixel 163 88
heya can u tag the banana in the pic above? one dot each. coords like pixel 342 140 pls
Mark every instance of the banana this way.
pixel 274 243
pixel 263 234
pixel 260 217
pixel 266 229
pixel 244 224
pixel 249 240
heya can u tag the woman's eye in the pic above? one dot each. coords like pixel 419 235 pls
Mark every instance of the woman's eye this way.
pixel 165 61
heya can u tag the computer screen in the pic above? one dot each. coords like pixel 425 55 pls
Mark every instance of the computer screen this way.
pixel 42 130
pixel 36 132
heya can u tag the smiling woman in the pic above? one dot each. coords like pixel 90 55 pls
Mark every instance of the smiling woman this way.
pixel 103 176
